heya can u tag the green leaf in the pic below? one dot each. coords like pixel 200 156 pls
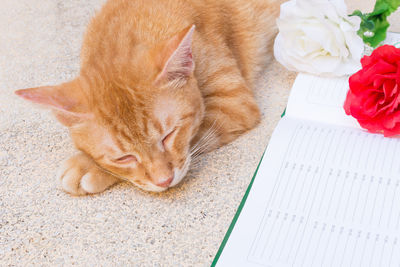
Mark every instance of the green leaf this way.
pixel 369 25
pixel 357 13
pixel 374 25
pixel 379 34
pixel 392 5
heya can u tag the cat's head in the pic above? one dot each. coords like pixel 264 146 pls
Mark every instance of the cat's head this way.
pixel 136 120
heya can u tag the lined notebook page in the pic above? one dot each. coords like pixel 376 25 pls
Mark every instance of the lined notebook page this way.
pixel 320 99
pixel 327 193
pixel 324 195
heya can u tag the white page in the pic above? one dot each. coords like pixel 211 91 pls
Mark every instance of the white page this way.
pixel 320 99
pixel 324 195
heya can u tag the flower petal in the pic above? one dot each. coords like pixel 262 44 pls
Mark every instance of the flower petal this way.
pixel 317 36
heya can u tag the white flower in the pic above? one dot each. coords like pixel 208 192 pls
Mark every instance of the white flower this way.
pixel 317 36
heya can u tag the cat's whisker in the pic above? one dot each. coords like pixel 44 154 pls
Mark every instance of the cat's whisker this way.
pixel 204 143
pixel 113 174
pixel 201 148
pixel 210 134
pixel 195 161
pixel 200 141
pixel 205 136
pixel 199 145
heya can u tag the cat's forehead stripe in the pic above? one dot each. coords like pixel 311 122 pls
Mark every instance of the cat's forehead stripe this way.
pixel 188 115
pixel 146 128
pixel 120 145
pixel 125 137
pixel 108 119
pixel 157 125
pixel 99 157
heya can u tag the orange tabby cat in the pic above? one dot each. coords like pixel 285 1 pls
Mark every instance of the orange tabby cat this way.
pixel 161 81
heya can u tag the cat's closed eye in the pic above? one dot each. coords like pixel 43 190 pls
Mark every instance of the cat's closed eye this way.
pixel 126 159
pixel 166 140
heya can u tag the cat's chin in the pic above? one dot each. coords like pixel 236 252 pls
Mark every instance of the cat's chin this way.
pixel 151 188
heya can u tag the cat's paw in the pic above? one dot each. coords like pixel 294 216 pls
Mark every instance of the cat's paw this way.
pixel 79 176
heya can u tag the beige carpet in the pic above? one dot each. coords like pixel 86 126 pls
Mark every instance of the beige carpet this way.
pixel 41 225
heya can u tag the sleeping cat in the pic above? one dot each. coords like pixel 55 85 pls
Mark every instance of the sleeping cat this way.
pixel 161 81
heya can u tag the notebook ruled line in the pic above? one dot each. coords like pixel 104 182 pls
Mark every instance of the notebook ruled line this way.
pixel 328 181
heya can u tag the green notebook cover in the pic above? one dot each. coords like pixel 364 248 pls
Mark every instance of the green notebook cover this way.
pixel 232 225
pixel 237 214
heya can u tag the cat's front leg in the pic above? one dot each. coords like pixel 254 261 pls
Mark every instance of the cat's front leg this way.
pixel 79 175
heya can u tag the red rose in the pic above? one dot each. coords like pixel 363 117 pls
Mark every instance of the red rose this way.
pixel 374 95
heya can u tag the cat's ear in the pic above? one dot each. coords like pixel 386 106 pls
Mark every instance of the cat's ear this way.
pixel 61 99
pixel 175 58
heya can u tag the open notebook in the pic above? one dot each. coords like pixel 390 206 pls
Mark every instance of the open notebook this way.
pixel 326 193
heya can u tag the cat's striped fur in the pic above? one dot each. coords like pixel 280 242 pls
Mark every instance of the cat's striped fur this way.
pixel 161 81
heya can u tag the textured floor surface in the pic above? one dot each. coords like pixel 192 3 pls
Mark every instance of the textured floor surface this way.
pixel 40 224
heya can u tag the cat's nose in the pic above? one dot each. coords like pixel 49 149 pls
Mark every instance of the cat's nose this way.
pixel 165 182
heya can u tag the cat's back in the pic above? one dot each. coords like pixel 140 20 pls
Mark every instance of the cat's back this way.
pixel 122 27
pixel 148 21
pixel 247 27
pixel 157 17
